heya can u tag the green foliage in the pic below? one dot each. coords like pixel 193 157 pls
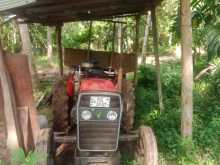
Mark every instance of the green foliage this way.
pixel 214 41
pixel 38 34
pixel 18 157
pixel 126 159
pixel 76 35
pixel 204 147
pixel 10 36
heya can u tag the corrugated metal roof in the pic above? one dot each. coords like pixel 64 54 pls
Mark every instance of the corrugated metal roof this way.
pixel 10 4
pixel 60 11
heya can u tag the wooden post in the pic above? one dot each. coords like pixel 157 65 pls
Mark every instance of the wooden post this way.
pixel 113 44
pixel 14 135
pixel 136 47
pixel 157 60
pixel 90 37
pixel 59 47
pixel 120 50
pixel 187 69
pixel 146 36
pixel 49 44
pixel 120 38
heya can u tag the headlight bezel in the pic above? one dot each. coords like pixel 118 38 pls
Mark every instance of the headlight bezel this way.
pixel 112 116
pixel 86 115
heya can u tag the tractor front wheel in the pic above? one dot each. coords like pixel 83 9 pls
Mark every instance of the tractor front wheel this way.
pixel 128 106
pixel 60 106
pixel 146 150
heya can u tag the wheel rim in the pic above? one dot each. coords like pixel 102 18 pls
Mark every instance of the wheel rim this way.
pixel 146 150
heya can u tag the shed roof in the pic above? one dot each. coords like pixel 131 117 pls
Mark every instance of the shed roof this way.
pixel 59 11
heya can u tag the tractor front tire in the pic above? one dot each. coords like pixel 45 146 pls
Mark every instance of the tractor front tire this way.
pixel 128 106
pixel 146 150
pixel 59 106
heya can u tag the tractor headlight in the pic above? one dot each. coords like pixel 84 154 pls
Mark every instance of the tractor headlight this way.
pixel 86 115
pixel 112 115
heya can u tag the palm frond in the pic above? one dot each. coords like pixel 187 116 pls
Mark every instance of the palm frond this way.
pixel 214 41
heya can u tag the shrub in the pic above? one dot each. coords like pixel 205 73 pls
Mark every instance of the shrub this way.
pixel 204 147
pixel 18 157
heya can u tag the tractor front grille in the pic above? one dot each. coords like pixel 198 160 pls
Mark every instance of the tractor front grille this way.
pixel 98 134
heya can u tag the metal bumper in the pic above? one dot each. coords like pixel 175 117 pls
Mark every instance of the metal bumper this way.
pixel 98 160
pixel 61 137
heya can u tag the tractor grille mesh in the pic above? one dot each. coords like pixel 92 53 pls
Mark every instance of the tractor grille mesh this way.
pixel 99 135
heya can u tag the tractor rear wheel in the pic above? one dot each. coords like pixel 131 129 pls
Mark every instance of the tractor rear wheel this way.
pixel 60 106
pixel 146 151
pixel 128 105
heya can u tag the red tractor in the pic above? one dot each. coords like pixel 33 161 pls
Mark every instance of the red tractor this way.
pixel 94 114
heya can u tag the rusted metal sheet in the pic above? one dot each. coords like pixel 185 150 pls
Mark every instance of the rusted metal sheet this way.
pixel 21 80
pixel 14 136
pixel 3 148
pixel 77 56
pixel 10 4
pixel 1 105
pixel 24 122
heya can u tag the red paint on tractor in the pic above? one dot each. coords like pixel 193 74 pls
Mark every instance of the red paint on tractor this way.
pixel 96 84
pixel 70 86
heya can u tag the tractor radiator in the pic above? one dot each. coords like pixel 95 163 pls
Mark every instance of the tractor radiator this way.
pixel 98 133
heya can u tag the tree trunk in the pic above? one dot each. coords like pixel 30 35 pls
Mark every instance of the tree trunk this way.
pixel 113 44
pixel 136 47
pixel 90 40
pixel 49 43
pixel 187 70
pixel 59 48
pixel 157 60
pixel 120 40
pixel 120 50
pixel 146 35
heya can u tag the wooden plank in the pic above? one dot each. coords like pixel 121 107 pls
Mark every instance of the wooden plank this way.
pixel 21 79
pixel 84 5
pixel 14 137
pixel 24 122
pixel 97 12
pixel 43 144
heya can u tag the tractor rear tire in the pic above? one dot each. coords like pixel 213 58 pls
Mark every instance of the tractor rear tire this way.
pixel 146 151
pixel 60 106
pixel 128 106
